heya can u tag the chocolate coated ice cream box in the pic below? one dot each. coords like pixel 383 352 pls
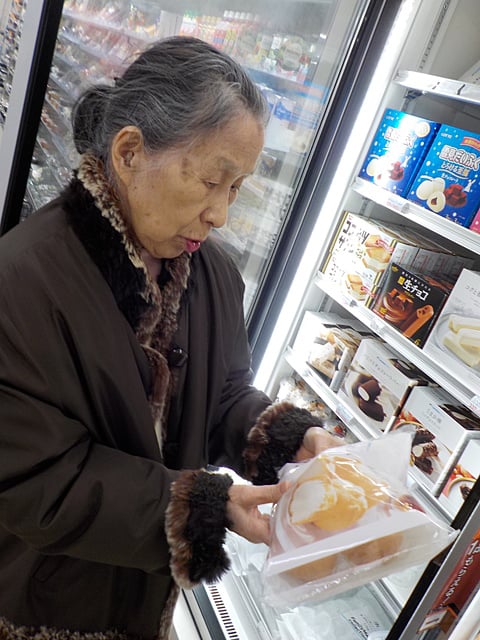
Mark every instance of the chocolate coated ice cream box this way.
pixel 409 301
pixel 399 147
pixel 377 384
pixel 454 341
pixel 448 182
pixel 442 429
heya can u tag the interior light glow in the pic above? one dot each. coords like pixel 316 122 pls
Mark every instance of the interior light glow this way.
pixel 327 215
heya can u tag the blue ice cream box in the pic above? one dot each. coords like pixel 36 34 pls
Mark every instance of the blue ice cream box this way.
pixel 398 149
pixel 448 181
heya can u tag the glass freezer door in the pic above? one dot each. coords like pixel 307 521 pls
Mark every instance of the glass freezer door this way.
pixel 11 21
pixel 295 51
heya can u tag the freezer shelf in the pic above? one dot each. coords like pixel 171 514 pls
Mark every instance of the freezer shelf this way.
pixel 445 87
pixel 446 228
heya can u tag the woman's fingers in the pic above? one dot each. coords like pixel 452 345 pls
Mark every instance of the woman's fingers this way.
pixel 251 495
pixel 243 512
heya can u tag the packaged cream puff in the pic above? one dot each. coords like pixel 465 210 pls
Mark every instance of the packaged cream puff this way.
pixel 346 519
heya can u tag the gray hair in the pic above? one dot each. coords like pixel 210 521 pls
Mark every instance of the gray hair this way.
pixel 176 90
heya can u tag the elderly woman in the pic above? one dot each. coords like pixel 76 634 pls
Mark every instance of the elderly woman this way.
pixel 124 366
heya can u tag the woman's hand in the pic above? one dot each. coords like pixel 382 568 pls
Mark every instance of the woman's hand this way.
pixel 243 512
pixel 315 441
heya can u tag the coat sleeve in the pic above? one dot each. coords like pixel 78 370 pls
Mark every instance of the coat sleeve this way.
pixel 251 435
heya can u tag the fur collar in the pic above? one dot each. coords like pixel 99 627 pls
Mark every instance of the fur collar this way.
pixel 150 307
pixel 94 214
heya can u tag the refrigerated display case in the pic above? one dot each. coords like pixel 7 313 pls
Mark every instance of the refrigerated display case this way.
pixel 328 68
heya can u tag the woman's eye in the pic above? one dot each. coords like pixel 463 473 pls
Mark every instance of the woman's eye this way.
pixel 210 185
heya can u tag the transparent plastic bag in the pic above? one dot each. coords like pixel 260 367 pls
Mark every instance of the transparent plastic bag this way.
pixel 348 518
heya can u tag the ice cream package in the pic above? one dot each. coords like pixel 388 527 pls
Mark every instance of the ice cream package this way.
pixel 448 182
pixel 348 518
pixel 398 149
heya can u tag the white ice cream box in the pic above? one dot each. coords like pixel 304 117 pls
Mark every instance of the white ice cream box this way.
pixel 442 429
pixel 360 253
pixel 328 342
pixel 459 482
pixel 454 341
pixel 377 384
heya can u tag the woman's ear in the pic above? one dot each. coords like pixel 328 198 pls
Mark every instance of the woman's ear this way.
pixel 126 152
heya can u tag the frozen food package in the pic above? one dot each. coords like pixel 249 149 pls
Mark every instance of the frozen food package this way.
pixel 347 519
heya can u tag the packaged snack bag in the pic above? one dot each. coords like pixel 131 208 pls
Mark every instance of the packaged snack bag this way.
pixel 347 519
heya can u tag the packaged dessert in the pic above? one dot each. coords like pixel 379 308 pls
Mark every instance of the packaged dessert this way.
pixel 442 428
pixel 399 147
pixel 410 301
pixel 346 519
pixel 454 341
pixel 377 384
pixel 457 590
pixel 448 182
pixel 475 223
pixel 460 480
pixel 295 390
pixel 360 253
pixel 328 342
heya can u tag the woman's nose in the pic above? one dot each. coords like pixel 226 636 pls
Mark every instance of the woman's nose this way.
pixel 216 214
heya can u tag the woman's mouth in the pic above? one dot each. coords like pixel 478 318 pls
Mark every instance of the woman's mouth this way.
pixel 192 245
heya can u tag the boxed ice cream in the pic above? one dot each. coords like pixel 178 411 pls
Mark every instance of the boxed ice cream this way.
pixel 475 223
pixel 295 390
pixel 361 251
pixel 441 264
pixel 459 482
pixel 409 301
pixel 448 182
pixel 457 591
pixel 442 428
pixel 399 147
pixel 327 343
pixel 454 341
pixel 377 384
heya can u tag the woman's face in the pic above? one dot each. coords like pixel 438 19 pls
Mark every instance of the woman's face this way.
pixel 172 199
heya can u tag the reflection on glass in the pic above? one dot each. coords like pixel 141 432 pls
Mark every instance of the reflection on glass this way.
pixel 11 22
pixel 292 51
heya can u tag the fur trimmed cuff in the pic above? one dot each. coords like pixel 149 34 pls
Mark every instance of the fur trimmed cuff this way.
pixel 196 523
pixel 274 440
pixel 9 631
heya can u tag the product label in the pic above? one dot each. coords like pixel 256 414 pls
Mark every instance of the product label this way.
pixel 362 624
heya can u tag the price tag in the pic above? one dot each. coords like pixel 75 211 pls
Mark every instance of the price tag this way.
pixel 377 326
pixel 343 413
pixel 347 301
pixel 474 404
pixel 395 203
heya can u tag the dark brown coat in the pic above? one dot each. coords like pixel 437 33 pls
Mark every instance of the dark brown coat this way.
pixel 84 487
